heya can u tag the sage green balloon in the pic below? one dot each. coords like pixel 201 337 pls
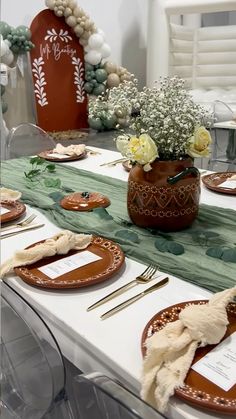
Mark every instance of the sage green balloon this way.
pixel 99 89
pixel 88 67
pixel 4 107
pixel 110 121
pixel 95 123
pixel 23 30
pixel 101 75
pixel 5 29
pixel 88 87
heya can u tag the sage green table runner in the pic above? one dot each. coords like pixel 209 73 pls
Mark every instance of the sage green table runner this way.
pixel 204 254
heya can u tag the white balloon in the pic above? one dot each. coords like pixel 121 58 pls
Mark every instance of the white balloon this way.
pixel 105 50
pixel 4 47
pixel 8 58
pixel 50 4
pixel 95 41
pixel 93 57
pixel 100 32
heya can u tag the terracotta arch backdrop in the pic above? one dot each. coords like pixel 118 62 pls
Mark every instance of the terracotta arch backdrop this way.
pixel 58 74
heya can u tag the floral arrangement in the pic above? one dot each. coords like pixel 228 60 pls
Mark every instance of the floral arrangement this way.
pixel 169 125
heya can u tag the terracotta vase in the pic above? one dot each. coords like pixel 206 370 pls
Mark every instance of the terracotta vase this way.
pixel 166 197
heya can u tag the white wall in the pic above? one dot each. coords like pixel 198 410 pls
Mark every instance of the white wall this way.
pixel 123 21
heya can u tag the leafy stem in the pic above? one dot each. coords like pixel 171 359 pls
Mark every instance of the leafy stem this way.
pixel 39 167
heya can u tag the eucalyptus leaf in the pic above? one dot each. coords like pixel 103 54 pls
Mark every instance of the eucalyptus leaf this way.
pixel 102 213
pixel 229 255
pixel 67 189
pixel 175 248
pixel 56 196
pixel 128 235
pixel 51 167
pixel 161 244
pixel 52 183
pixel 32 173
pixel 215 252
pixel 37 160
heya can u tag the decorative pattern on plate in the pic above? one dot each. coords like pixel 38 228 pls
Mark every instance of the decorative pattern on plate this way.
pixel 45 155
pixel 112 258
pixel 197 389
pixel 16 208
pixel 214 180
pixel 155 199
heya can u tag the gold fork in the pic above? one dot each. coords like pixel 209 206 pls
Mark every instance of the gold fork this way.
pixel 144 277
pixel 114 162
pixel 23 223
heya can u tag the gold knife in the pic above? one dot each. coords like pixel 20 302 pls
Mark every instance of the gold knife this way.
pixel 31 227
pixel 135 298
pixel 112 294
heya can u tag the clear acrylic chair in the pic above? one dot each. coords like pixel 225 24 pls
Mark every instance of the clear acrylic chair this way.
pixel 224 136
pixel 100 397
pixel 33 374
pixel 27 140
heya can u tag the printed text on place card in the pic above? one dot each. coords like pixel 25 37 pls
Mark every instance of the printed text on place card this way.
pixel 4 210
pixel 229 184
pixel 68 264
pixel 219 365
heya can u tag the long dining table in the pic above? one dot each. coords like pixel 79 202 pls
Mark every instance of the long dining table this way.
pixel 112 346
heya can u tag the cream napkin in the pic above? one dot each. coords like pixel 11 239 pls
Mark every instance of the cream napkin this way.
pixel 59 244
pixel 71 150
pixel 9 194
pixel 170 351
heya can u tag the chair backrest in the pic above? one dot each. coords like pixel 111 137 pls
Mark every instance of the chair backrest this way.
pixel 33 374
pixel 99 397
pixel 205 57
pixel 26 140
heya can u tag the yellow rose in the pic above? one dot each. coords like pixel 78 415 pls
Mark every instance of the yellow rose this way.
pixel 122 142
pixel 199 143
pixel 143 150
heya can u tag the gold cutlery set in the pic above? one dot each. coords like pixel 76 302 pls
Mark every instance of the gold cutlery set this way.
pixel 24 225
pixel 144 278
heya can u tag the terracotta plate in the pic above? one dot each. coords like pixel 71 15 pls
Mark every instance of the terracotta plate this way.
pixel 214 180
pixel 197 389
pixel 16 208
pixel 84 201
pixel 127 165
pixel 112 260
pixel 45 155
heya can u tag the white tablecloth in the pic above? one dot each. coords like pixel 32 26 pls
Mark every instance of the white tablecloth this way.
pixel 112 345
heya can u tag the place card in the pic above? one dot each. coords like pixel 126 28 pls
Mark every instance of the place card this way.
pixel 59 156
pixel 229 184
pixel 68 264
pixel 4 210
pixel 219 365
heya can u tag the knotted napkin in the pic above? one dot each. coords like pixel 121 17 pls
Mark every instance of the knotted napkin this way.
pixel 9 195
pixel 170 351
pixel 59 244
pixel 71 150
